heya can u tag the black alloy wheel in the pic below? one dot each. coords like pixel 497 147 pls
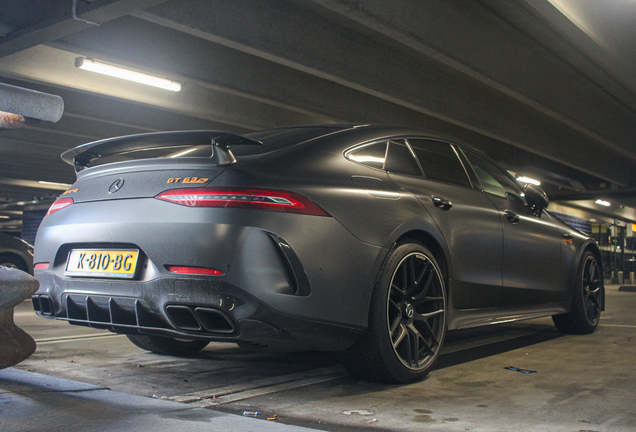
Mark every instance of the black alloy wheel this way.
pixel 407 319
pixel 416 311
pixel 587 299
pixel 591 279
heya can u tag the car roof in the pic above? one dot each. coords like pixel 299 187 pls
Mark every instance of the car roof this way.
pixel 363 132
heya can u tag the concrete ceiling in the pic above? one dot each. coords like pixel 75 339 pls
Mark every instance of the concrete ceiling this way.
pixel 548 88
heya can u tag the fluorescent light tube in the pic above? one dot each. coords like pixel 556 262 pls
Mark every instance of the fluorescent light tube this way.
pixel 603 203
pixel 64 185
pixel 127 74
pixel 529 180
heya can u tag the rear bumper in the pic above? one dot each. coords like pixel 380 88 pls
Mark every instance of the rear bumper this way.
pixel 191 308
pixel 338 268
pixel 292 277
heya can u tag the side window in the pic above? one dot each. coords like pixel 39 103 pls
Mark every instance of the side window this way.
pixel 400 160
pixel 372 155
pixel 493 180
pixel 439 161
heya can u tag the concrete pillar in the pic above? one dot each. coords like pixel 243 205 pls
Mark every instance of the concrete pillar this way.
pixel 15 344
pixel 631 278
pixel 620 278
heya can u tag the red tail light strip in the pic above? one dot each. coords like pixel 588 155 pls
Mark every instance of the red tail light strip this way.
pixel 59 204
pixel 41 266
pixel 245 198
pixel 194 270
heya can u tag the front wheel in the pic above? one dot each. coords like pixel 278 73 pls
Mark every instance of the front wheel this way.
pixel 167 345
pixel 587 299
pixel 407 319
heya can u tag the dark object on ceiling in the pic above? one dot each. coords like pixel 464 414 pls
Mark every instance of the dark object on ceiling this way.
pixel 30 103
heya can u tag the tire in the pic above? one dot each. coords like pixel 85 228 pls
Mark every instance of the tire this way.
pixel 13 261
pixel 587 299
pixel 167 346
pixel 407 319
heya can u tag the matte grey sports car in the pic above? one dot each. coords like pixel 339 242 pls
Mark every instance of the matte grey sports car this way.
pixel 368 240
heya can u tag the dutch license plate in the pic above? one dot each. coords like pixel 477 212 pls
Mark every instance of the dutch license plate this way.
pixel 102 263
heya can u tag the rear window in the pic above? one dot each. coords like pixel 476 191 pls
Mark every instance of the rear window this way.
pixel 371 155
pixel 400 160
pixel 277 139
pixel 439 161
pixel 204 151
pixel 272 140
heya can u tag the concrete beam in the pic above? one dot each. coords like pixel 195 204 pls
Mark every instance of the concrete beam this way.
pixel 494 52
pixel 86 16
pixel 34 184
pixel 45 169
pixel 26 147
pixel 589 57
pixel 13 194
pixel 316 45
pixel 56 67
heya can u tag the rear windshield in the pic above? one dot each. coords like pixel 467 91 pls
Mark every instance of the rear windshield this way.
pixel 155 153
pixel 272 140
pixel 277 139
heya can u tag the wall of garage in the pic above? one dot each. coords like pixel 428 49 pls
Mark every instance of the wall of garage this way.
pixel 616 239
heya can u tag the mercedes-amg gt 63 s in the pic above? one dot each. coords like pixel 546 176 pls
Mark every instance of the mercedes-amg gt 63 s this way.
pixel 368 240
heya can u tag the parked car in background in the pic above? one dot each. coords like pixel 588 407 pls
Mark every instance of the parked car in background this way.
pixel 16 253
pixel 368 240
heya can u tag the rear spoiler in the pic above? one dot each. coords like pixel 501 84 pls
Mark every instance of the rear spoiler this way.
pixel 82 156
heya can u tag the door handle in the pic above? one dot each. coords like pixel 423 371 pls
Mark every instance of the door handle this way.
pixel 442 203
pixel 512 216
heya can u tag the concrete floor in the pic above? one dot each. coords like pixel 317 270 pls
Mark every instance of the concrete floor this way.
pixel 582 383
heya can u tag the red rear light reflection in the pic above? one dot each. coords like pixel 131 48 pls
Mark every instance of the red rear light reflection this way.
pixel 194 270
pixel 59 204
pixel 245 198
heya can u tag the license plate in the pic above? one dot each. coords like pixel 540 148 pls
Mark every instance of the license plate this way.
pixel 102 263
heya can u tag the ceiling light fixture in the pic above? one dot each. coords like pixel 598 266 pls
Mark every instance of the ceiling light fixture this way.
pixel 524 179
pixel 127 74
pixel 603 203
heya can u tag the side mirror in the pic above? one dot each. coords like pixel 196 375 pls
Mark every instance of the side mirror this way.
pixel 537 199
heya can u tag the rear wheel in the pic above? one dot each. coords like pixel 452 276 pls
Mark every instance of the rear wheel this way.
pixel 407 319
pixel 587 298
pixel 168 346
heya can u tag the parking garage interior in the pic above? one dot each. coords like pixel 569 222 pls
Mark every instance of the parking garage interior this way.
pixel 547 88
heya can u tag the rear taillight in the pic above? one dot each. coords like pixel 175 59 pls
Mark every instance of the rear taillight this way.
pixel 194 270
pixel 59 204
pixel 245 198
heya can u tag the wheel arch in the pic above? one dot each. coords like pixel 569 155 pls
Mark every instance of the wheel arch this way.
pixel 431 239
pixel 432 245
